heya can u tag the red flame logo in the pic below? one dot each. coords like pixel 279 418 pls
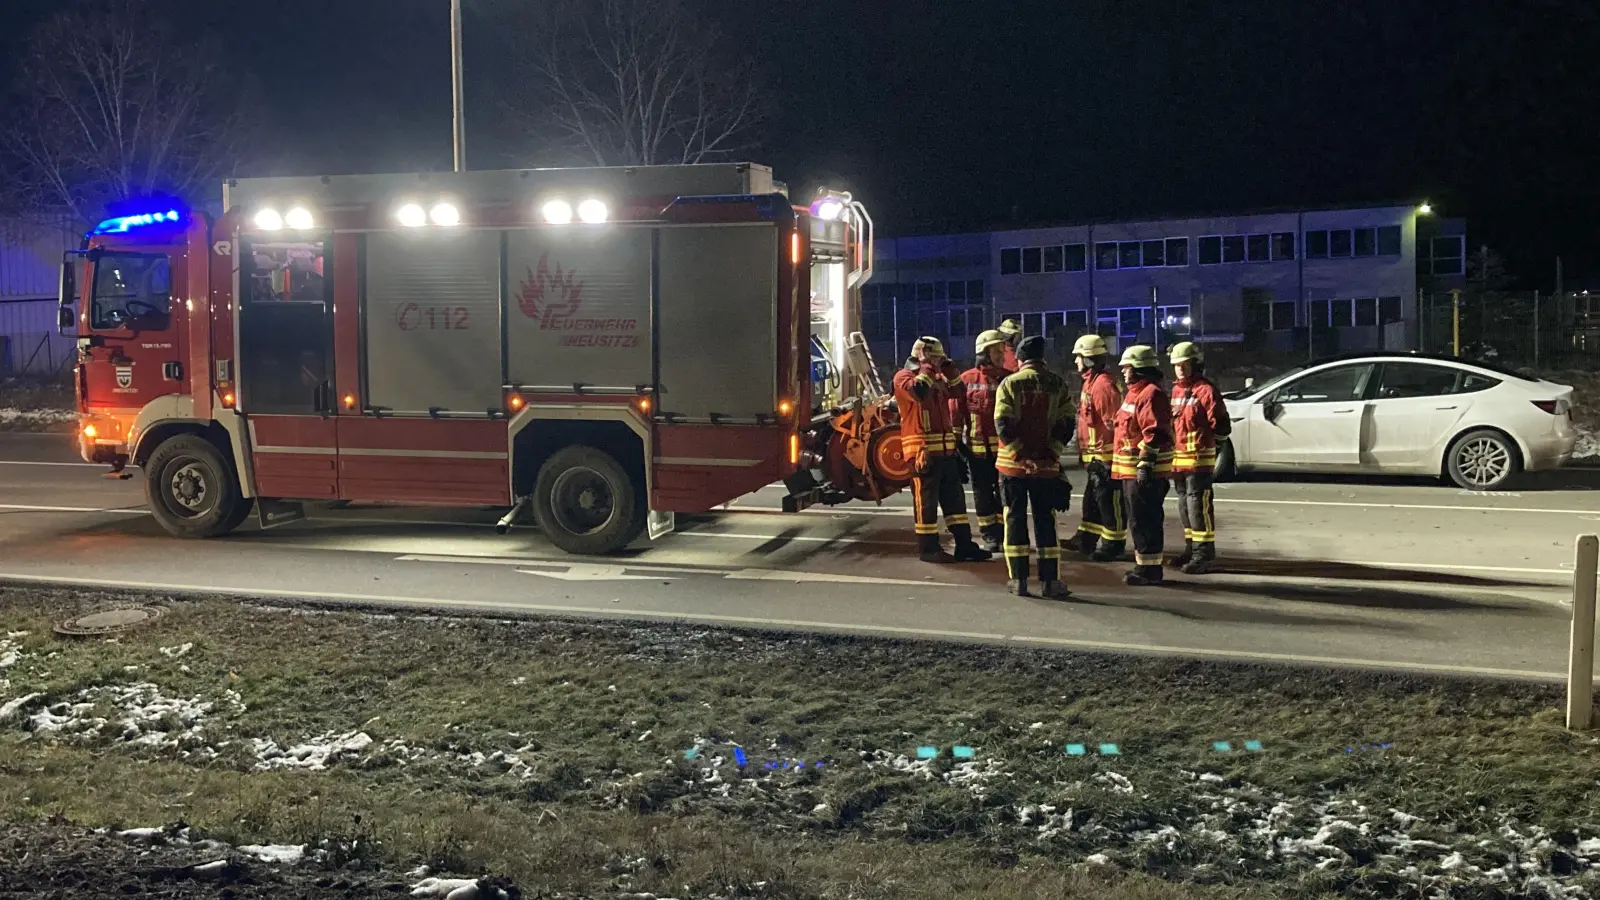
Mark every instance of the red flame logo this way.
pixel 550 297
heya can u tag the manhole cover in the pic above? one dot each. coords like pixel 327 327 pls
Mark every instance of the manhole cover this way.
pixel 110 621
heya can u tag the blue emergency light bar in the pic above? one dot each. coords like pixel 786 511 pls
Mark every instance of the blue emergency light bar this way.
pixel 125 224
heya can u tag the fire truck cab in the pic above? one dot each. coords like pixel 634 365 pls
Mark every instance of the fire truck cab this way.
pixel 600 348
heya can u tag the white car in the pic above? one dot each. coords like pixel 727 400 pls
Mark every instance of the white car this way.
pixel 1401 414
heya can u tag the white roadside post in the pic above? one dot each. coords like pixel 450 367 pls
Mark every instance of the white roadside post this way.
pixel 1580 659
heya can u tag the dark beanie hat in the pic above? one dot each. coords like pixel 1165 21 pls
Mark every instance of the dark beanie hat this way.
pixel 1031 349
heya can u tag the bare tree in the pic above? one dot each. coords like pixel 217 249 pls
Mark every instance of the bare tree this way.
pixel 631 82
pixel 111 105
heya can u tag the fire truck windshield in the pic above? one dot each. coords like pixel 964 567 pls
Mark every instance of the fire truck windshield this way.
pixel 130 287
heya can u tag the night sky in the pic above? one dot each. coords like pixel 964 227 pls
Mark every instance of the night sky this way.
pixel 944 115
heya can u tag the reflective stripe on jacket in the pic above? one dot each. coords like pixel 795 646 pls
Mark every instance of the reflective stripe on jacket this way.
pixel 1199 417
pixel 1143 431
pixel 1033 407
pixel 925 420
pixel 982 383
pixel 1097 413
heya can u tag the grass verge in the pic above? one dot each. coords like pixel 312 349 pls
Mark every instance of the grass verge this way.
pixel 37 404
pixel 604 759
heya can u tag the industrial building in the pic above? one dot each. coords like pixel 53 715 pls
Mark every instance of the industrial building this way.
pixel 1345 279
pixel 30 273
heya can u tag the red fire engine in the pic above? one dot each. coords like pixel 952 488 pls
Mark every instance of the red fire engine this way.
pixel 601 348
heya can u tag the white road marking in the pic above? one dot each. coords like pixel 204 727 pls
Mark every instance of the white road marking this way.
pixel 587 572
pixel 23 507
pixel 731 574
pixel 762 622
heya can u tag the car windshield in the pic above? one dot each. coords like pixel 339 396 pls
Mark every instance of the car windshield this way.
pixel 130 286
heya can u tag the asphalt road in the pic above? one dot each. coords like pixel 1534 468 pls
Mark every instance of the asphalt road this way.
pixel 1403 575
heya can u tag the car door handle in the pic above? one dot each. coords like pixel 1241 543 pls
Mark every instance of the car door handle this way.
pixel 1343 412
pixel 1444 407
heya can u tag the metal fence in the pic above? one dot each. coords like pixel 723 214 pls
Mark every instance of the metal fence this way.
pixel 36 353
pixel 1523 328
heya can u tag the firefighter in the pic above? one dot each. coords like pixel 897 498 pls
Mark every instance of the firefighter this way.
pixel 1199 424
pixel 1012 333
pixel 923 392
pixel 1142 458
pixel 1033 415
pixel 1103 532
pixel 980 440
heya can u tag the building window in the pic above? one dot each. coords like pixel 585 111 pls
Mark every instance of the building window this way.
pixel 1010 260
pixel 1343 313
pixel 1105 256
pixel 924 294
pixel 1031 260
pixel 1128 255
pixel 955 292
pixel 1129 321
pixel 1078 319
pixel 1282 315
pixel 1317 316
pixel 1366 312
pixel 1233 248
pixel 1052 259
pixel 1177 251
pixel 1339 243
pixel 1316 245
pixel 1155 253
pixel 1283 245
pixel 1388 309
pixel 1389 240
pixel 965 321
pixel 975 291
pixel 1074 257
pixel 1176 319
pixel 1257 248
pixel 1210 251
pixel 1366 242
pixel 1448 255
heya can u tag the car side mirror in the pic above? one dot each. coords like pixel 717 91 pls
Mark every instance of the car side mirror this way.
pixel 66 318
pixel 1272 409
pixel 1249 383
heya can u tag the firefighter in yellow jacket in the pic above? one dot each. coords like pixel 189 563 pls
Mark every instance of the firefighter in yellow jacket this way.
pixel 1033 416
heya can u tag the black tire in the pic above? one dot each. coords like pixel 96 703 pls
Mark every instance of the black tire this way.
pixel 1225 470
pixel 586 502
pixel 192 489
pixel 1482 460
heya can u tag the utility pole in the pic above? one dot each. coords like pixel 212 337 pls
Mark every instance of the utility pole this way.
pixel 1455 322
pixel 1155 322
pixel 1536 329
pixel 459 127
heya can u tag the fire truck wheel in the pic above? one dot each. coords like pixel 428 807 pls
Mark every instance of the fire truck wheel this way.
pixel 191 489
pixel 585 502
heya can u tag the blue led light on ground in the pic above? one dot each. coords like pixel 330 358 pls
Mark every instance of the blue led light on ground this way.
pixel 1109 750
pixel 691 753
pixel 1368 747
pixel 1222 746
pixel 738 756
pixel 1253 746
pixel 927 752
pixel 963 752
pixel 1077 750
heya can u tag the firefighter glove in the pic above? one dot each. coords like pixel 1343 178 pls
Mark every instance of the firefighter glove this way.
pixel 1146 472
pixel 922 464
pixel 1097 469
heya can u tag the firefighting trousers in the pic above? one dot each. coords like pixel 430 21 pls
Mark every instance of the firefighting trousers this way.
pixel 986 496
pixel 1146 518
pixel 940 488
pixel 1103 516
pixel 1196 508
pixel 1035 495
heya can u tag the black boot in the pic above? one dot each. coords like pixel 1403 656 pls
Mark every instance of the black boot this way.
pixel 1203 560
pixel 1109 551
pixel 1054 590
pixel 1182 559
pixel 966 550
pixel 1143 575
pixel 1018 586
pixel 929 551
pixel 991 539
pixel 1083 543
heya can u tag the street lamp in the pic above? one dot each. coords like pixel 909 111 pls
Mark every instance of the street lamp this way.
pixel 1426 209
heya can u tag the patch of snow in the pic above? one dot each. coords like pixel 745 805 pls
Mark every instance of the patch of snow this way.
pixel 314 754
pixel 10 414
pixel 1212 778
pixel 141 715
pixel 12 707
pixel 1115 782
pixel 143 835
pixel 1588 442
pixel 175 652
pixel 210 871
pixel 455 889
pixel 283 854
pixel 1098 859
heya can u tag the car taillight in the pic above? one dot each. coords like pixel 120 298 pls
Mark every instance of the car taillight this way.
pixel 1553 407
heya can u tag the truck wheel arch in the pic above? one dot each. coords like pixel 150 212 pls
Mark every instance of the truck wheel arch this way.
pixel 540 431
